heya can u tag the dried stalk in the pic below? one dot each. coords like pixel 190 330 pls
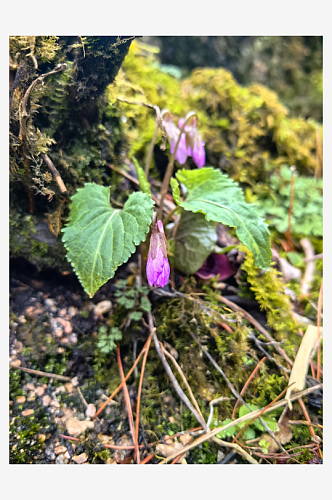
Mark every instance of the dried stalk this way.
pixel 249 416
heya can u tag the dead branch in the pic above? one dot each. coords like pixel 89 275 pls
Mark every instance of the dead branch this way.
pixel 249 416
pixel 24 115
pixel 54 172
pixel 310 266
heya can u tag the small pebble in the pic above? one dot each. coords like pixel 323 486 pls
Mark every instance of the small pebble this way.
pixel 61 460
pixel 31 396
pixel 102 307
pixel 60 389
pixel 46 400
pixel 68 328
pixel 48 302
pixel 60 449
pixel 20 400
pixel 186 439
pixel 30 387
pixel 69 387
pixel 55 403
pixel 171 420
pixel 76 427
pixel 16 362
pixel 41 438
pixel 80 459
pixel 90 411
pixel 74 381
pixel 73 338
pixel 63 312
pixel 110 461
pixel 27 413
pixel 22 319
pixel 168 439
pixel 72 311
pixel 40 391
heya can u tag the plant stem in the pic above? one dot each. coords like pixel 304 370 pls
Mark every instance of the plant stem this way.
pixel 148 159
pixel 169 216
pixel 170 166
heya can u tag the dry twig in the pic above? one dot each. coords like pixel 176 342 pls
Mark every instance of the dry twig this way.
pixel 249 416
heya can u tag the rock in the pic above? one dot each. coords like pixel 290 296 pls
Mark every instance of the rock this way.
pixel 60 449
pixel 67 455
pixel 30 387
pixel 80 459
pixel 90 411
pixel 31 396
pixel 41 438
pixel 120 456
pixel 69 387
pixel 22 319
pixel 27 413
pixel 76 427
pixel 68 328
pixel 20 400
pixel 166 450
pixel 74 381
pixel 171 420
pixel 105 439
pixel 186 439
pixel 102 307
pixel 63 312
pixel 72 338
pixel 110 461
pixel 72 311
pixel 60 389
pixel 61 460
pixel 168 439
pixel 16 362
pixel 40 391
pixel 55 403
pixel 48 302
pixel 46 400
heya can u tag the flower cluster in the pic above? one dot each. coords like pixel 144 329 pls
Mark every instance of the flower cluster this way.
pixel 157 267
pixel 190 142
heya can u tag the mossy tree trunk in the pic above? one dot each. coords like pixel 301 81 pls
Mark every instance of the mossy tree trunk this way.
pixel 58 132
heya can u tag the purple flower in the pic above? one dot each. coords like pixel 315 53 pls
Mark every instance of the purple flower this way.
pixel 182 152
pixel 157 267
pixel 190 142
pixel 198 155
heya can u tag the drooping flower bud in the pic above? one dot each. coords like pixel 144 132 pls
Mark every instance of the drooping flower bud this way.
pixel 157 267
pixel 194 143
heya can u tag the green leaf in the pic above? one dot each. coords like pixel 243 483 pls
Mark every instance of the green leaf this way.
pixel 145 304
pixel 175 190
pixel 143 182
pixel 221 200
pixel 244 410
pixel 126 302
pixel 248 433
pixel 270 421
pixel 144 289
pixel 99 238
pixel 136 315
pixel 195 240
pixel 227 432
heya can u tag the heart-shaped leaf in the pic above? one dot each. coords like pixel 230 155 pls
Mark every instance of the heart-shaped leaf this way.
pixel 195 240
pixel 221 200
pixel 99 238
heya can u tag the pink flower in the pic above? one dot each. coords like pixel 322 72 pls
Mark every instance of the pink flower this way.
pixel 182 151
pixel 157 267
pixel 198 155
pixel 190 142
